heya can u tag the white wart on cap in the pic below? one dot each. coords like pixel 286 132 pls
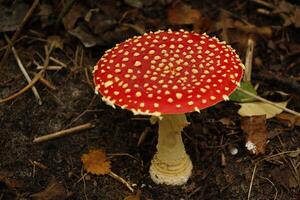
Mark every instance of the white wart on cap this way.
pixel 168 72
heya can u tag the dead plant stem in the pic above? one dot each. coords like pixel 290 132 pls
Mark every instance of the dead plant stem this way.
pixel 27 87
pixel 248 60
pixel 115 176
pixel 62 133
pixel 251 183
pixel 26 75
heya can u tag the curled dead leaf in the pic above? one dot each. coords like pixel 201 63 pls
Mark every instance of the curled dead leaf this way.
pixel 76 12
pixel 96 162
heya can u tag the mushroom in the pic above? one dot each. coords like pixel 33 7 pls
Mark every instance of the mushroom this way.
pixel 167 74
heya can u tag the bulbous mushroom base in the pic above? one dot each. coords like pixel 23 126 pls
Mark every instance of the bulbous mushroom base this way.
pixel 162 173
pixel 171 165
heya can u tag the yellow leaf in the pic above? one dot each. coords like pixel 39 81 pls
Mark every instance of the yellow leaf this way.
pixel 96 162
pixel 260 108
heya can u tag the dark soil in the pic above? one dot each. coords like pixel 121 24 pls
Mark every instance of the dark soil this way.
pixel 27 168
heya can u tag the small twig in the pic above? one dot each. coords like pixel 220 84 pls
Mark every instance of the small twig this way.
pixel 27 87
pixel 115 176
pixel 278 154
pixel 140 118
pixel 263 11
pixel 87 77
pixel 248 60
pixel 18 31
pixel 111 155
pixel 51 67
pixel 144 134
pixel 267 101
pixel 251 183
pixel 62 133
pixel 27 77
pixel 264 3
pixel 58 62
pixel 84 184
pixel 276 191
pixel 47 83
pixel 35 79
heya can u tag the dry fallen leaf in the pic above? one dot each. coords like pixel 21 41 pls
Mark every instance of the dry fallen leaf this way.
pixel 290 119
pixel 289 13
pixel 183 14
pixel 256 133
pixel 84 35
pixel 136 196
pixel 53 191
pixel 96 162
pixel 260 108
pixel 76 12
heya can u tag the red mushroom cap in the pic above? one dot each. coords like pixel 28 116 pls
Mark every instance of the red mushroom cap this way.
pixel 168 72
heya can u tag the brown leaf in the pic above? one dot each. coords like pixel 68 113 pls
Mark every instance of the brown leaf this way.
pixel 289 119
pixel 289 13
pixel 84 35
pixel 96 162
pixel 76 12
pixel 183 14
pixel 256 133
pixel 53 191
pixel 136 196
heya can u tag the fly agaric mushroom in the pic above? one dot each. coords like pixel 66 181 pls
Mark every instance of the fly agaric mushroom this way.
pixel 167 74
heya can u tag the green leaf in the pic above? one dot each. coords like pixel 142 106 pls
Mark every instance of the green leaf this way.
pixel 238 96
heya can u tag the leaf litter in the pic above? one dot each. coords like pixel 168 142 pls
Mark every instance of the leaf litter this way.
pixel 236 28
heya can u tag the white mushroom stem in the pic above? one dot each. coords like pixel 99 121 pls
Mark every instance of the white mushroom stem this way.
pixel 171 165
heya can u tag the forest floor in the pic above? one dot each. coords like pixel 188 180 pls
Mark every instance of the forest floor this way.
pixel 70 38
